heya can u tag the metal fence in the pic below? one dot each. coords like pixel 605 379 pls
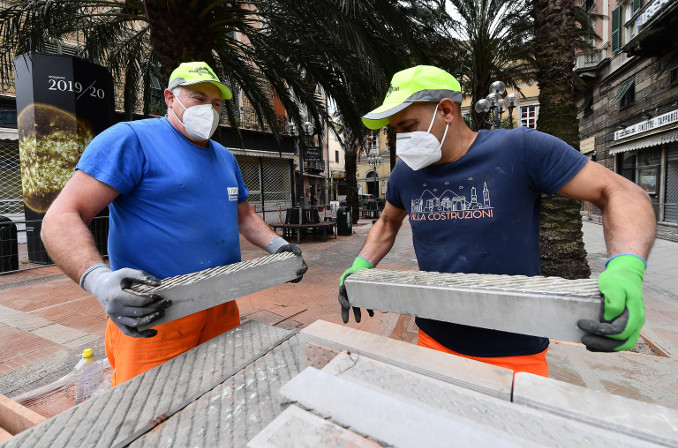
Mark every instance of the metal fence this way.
pixel 11 197
pixel 17 253
pixel 269 185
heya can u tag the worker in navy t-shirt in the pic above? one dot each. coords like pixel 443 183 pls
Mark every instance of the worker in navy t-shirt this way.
pixel 473 201
pixel 177 205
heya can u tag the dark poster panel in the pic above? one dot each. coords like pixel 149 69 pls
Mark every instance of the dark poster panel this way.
pixel 62 103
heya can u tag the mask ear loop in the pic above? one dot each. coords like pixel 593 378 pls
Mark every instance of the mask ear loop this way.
pixel 447 128
pixel 433 119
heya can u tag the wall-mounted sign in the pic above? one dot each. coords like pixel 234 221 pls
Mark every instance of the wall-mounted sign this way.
pixel 648 125
pixel 650 11
pixel 587 145
pixel 312 153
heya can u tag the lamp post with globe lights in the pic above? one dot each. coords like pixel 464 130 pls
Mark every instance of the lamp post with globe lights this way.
pixel 496 103
pixel 374 160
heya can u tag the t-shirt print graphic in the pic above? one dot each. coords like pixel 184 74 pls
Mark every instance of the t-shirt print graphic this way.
pixel 461 204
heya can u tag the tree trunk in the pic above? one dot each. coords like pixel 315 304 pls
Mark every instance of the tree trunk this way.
pixel 562 246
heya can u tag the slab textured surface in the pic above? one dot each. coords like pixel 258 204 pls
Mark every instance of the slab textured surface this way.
pixel 388 420
pixel 321 341
pixel 296 428
pixel 246 401
pixel 539 306
pixel 201 290
pixel 618 414
pixel 516 420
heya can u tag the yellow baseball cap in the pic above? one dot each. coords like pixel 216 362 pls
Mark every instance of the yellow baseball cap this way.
pixel 190 73
pixel 423 83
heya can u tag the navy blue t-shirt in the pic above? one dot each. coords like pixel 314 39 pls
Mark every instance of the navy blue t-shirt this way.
pixel 480 214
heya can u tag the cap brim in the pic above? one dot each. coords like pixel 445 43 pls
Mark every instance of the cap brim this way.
pixel 378 118
pixel 225 92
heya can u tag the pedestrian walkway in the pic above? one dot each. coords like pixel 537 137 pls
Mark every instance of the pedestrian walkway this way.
pixel 46 319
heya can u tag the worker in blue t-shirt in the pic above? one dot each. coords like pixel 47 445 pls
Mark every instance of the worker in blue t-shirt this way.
pixel 177 205
pixel 473 203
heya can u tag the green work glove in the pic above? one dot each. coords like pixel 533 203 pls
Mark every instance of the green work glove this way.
pixel 358 264
pixel 623 313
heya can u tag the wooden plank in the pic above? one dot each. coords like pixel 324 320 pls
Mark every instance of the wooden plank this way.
pixel 15 418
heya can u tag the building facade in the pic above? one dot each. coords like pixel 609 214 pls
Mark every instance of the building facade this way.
pixel 628 112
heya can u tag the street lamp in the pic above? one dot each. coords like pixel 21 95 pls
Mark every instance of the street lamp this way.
pixel 374 160
pixel 308 130
pixel 496 104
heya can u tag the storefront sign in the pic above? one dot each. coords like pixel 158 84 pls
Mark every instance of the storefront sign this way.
pixel 587 145
pixel 650 11
pixel 648 125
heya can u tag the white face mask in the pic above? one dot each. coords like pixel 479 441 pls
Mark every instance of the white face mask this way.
pixel 200 121
pixel 420 149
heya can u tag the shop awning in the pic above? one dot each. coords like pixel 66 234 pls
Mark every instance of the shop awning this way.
pixel 259 153
pixel 9 134
pixel 653 140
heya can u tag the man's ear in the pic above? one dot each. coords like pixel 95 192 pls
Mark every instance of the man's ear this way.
pixel 169 97
pixel 449 109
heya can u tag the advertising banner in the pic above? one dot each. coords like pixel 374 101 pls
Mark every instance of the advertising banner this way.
pixel 62 103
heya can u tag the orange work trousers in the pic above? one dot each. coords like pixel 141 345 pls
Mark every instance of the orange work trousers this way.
pixel 130 356
pixel 526 363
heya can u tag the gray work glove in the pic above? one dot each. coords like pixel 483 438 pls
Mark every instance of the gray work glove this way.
pixel 279 245
pixel 126 309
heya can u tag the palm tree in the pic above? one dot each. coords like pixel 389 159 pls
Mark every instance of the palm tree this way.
pixel 260 47
pixel 557 34
pixel 480 41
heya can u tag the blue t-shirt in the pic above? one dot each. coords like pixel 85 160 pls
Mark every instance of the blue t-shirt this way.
pixel 177 209
pixel 480 214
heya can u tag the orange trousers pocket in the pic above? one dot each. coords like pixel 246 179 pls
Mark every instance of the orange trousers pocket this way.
pixel 526 363
pixel 130 356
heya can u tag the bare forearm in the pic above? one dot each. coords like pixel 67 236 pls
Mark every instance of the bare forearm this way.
pixel 629 223
pixel 380 239
pixel 69 243
pixel 255 230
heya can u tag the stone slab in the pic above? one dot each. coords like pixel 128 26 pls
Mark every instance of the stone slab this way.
pixel 645 421
pixel 539 306
pixel 321 341
pixel 233 412
pixel 388 420
pixel 296 428
pixel 201 290
pixel 524 422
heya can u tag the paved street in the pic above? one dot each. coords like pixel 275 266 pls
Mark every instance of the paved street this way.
pixel 46 320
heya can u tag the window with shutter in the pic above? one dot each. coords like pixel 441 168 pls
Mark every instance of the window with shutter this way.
pixel 636 5
pixel 616 27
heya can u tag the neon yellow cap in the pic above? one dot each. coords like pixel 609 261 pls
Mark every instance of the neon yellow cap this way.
pixel 423 83
pixel 190 73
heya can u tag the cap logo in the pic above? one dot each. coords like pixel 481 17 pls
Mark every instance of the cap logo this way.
pixel 203 71
pixel 392 89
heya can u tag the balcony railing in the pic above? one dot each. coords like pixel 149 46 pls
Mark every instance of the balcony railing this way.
pixel 587 60
pixel 314 165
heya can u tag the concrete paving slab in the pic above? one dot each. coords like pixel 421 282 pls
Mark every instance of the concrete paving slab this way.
pixel 500 302
pixel 387 420
pixel 321 341
pixel 296 428
pixel 524 422
pixel 649 422
pixel 123 410
pixel 60 334
pixel 21 320
pixel 201 290
pixel 652 379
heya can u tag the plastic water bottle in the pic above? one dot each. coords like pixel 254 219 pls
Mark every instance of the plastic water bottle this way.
pixel 89 377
